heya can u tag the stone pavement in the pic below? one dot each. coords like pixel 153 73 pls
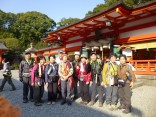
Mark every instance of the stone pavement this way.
pixel 143 101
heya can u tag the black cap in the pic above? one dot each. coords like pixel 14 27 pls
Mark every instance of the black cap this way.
pixel 92 53
pixel 27 52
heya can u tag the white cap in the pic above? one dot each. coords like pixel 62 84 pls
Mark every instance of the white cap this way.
pixel 77 53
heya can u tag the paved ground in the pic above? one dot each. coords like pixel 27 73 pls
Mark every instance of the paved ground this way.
pixel 143 101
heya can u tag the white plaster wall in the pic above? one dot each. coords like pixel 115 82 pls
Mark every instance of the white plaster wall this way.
pixel 138 22
pixel 138 32
pixel 74 44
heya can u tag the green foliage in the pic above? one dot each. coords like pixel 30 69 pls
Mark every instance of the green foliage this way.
pixel 11 43
pixel 15 66
pixel 31 27
pixel 41 45
pixel 97 9
pixel 107 3
pixel 66 22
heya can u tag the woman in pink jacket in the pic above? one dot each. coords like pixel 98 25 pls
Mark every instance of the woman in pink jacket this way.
pixel 84 76
pixel 37 80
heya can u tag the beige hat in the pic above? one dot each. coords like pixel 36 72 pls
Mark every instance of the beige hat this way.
pixel 83 56
pixel 77 53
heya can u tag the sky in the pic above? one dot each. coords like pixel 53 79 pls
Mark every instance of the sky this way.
pixel 55 9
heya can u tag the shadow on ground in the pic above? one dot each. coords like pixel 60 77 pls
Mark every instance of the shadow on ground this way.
pixel 76 110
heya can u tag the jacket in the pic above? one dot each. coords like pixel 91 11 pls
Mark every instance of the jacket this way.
pixel 96 68
pixel 122 72
pixel 25 69
pixel 109 70
pixel 75 65
pixel 6 68
pixel 51 70
pixel 62 70
pixel 35 75
pixel 86 73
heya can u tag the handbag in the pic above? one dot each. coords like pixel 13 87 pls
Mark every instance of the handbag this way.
pixel 53 78
pixel 121 82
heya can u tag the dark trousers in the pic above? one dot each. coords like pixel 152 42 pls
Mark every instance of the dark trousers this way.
pixel 125 95
pixel 37 95
pixel 65 89
pixel 75 88
pixel 84 91
pixel 100 90
pixel 52 91
pixel 26 88
pixel 9 82
pixel 42 90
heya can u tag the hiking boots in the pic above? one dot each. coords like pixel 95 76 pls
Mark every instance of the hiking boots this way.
pixel 127 110
pixel 122 106
pixel 100 104
pixel 91 103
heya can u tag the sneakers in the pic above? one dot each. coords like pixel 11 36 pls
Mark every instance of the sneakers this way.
pixel 49 103
pixel 37 104
pixel 100 104
pixel 25 101
pixel 91 103
pixel 31 100
pixel 53 103
pixel 69 103
pixel 81 102
pixel 63 102
pixel 85 102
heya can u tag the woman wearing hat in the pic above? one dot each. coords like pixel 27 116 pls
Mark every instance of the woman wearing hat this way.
pixel 84 76
pixel 65 72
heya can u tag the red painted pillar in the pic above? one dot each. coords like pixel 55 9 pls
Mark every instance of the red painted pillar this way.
pixel 0 56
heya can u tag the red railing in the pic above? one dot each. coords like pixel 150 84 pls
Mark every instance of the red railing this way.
pixel 145 67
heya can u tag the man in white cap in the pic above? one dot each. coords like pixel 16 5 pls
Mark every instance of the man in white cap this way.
pixel 76 63
pixel 59 58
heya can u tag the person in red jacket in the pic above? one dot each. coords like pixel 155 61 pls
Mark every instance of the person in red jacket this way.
pixel 84 76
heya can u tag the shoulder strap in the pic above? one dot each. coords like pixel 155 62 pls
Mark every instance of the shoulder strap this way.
pixel 109 65
pixel 127 66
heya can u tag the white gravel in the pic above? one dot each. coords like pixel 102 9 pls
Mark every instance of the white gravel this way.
pixel 143 102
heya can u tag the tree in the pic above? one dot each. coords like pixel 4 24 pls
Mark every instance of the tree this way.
pixel 11 43
pixel 66 22
pixel 6 20
pixel 97 9
pixel 108 3
pixel 31 27
pixel 41 45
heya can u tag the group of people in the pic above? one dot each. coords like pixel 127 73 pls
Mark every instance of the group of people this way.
pixel 61 77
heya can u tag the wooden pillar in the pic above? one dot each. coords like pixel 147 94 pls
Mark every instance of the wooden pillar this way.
pixel 0 56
